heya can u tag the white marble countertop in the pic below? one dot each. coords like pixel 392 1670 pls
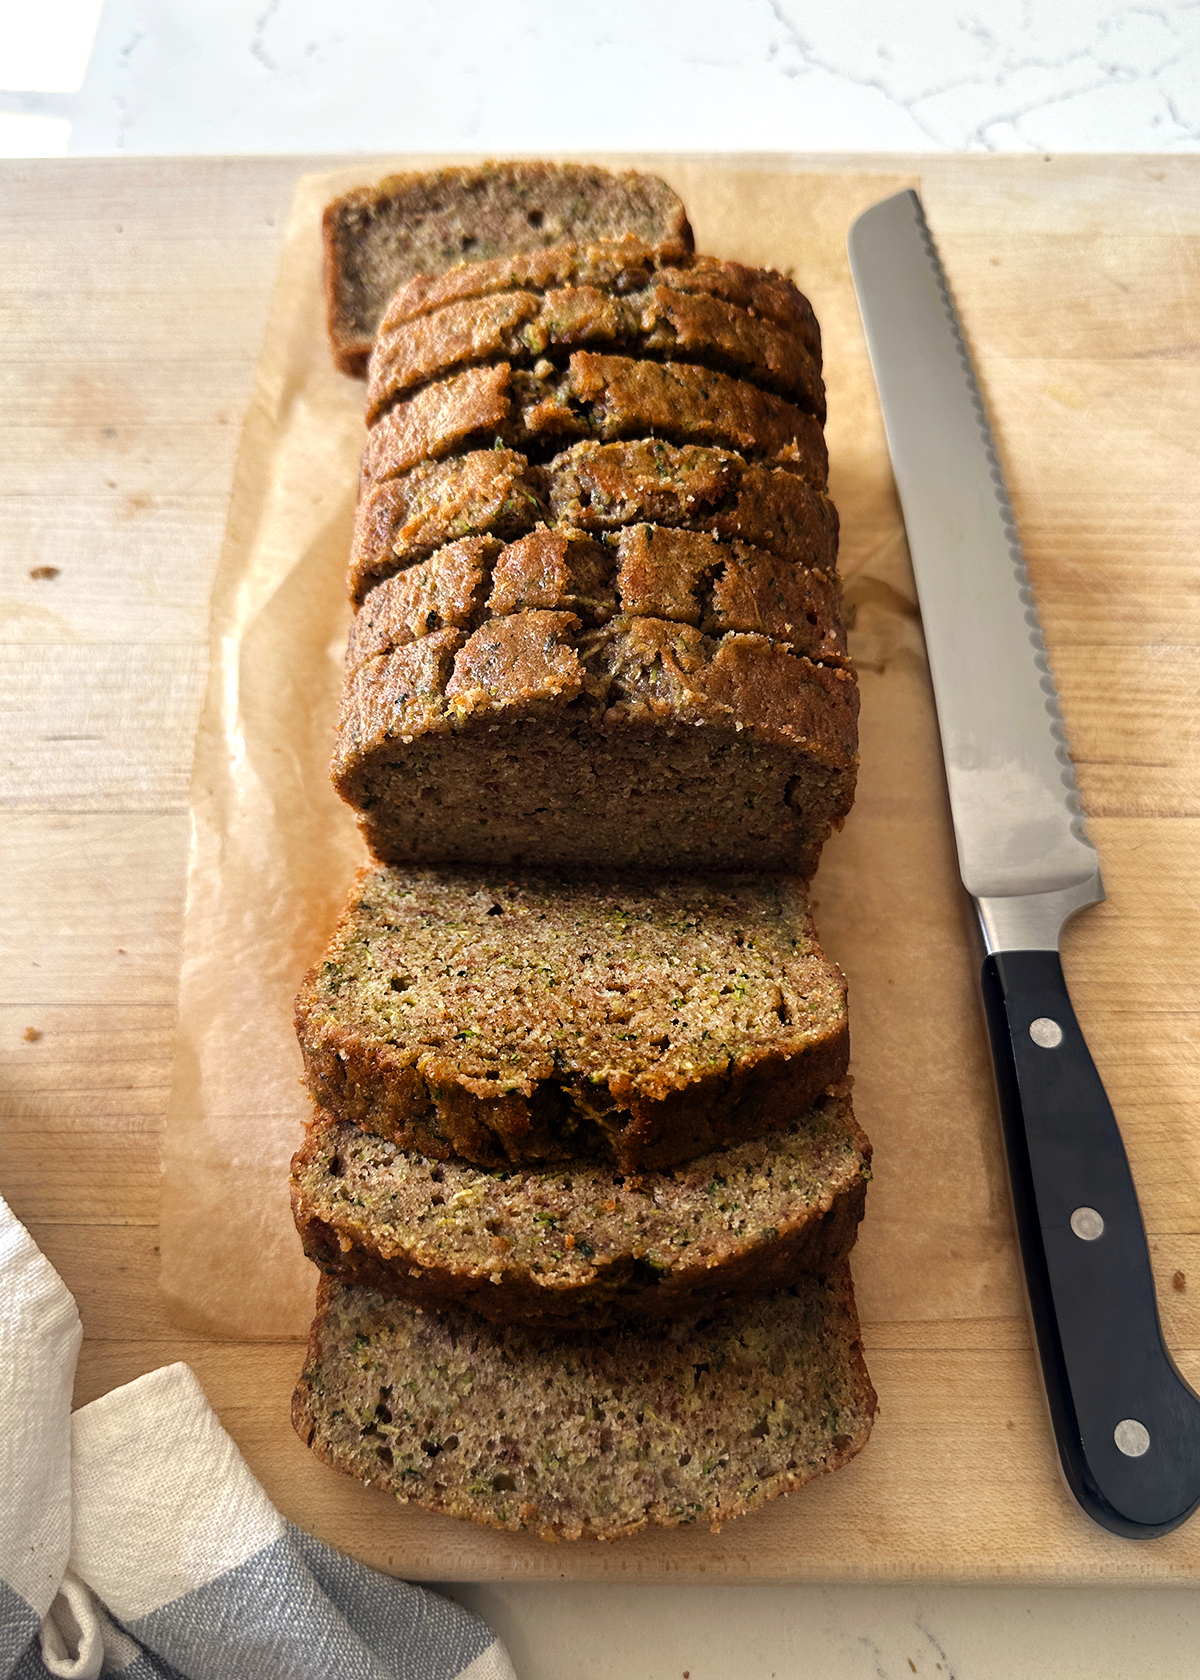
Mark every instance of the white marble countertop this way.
pixel 276 76
pixel 183 76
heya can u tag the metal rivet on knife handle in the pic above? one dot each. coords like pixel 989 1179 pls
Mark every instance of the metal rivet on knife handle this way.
pixel 1087 1224
pixel 1132 1438
pixel 1046 1033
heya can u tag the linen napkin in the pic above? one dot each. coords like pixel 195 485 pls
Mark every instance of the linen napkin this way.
pixel 135 1541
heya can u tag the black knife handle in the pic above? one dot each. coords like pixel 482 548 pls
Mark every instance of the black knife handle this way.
pixel 1126 1423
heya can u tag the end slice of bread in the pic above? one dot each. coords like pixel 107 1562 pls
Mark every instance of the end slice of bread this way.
pixel 378 237
pixel 587 1433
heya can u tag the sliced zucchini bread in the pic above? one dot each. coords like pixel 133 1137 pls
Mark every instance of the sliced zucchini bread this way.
pixel 508 1018
pixel 581 1243
pixel 587 1433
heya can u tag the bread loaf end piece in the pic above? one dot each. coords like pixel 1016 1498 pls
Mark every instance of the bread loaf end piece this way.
pixel 376 238
pixel 589 1433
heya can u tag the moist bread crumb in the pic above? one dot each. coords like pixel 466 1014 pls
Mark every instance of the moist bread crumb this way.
pixel 540 1017
pixel 581 1244
pixel 587 1433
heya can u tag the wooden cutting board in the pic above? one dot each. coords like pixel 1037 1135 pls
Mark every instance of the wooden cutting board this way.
pixel 135 297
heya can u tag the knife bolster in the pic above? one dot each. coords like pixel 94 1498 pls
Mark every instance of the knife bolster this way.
pixel 1034 921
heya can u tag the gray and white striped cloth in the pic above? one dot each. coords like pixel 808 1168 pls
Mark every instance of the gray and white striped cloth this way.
pixel 135 1541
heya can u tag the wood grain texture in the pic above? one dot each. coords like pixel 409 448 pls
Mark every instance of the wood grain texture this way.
pixel 130 321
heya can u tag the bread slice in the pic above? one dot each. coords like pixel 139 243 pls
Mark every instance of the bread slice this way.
pixel 644 571
pixel 581 1244
pixel 540 1017
pixel 593 488
pixel 587 1433
pixel 779 505
pixel 622 266
pixel 378 237
pixel 642 744
pixel 603 397
pixel 485 492
pixel 525 327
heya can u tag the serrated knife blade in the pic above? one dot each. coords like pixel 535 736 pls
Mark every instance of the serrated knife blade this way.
pixel 1126 1425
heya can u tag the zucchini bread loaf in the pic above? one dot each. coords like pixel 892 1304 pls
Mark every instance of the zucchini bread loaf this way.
pixel 583 1171
pixel 741 750
pixel 581 1244
pixel 376 238
pixel 627 714
pixel 587 1433
pixel 540 1018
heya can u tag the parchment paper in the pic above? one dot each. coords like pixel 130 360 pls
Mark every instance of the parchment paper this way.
pixel 274 848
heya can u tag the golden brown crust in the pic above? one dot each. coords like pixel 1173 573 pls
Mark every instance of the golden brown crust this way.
pixel 523 327
pixel 602 487
pixel 564 571
pixel 350 350
pixel 643 571
pixel 448 591
pixel 517 660
pixel 440 419
pixel 695 578
pixel 624 266
pixel 593 488
pixel 608 398
pixel 630 669
pixel 487 492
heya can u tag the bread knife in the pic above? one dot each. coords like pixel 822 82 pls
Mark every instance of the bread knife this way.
pixel 1126 1424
